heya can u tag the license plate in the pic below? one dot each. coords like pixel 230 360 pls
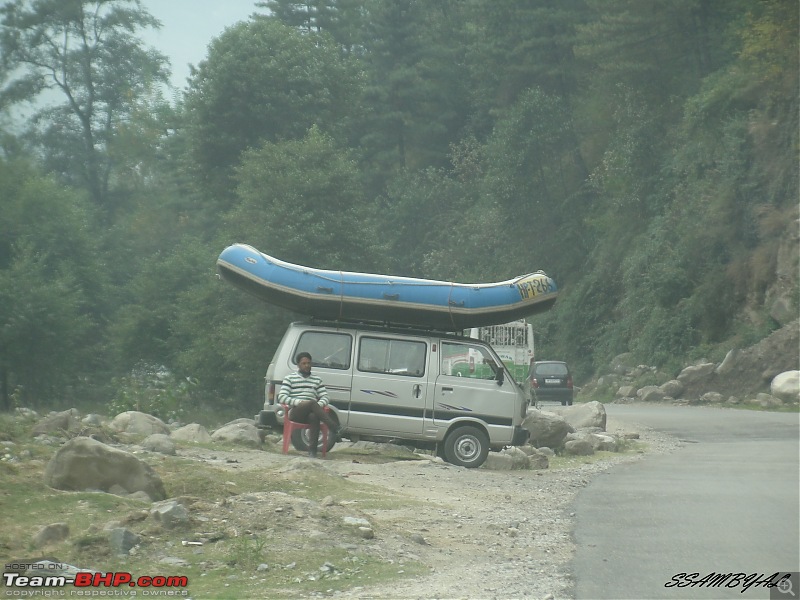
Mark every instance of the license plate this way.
pixel 552 381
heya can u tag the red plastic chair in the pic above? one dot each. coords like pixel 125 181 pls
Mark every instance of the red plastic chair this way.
pixel 290 426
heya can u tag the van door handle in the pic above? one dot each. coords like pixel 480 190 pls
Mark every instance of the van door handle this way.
pixel 446 389
pixel 416 390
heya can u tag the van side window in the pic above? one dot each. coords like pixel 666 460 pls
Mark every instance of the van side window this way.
pixel 397 357
pixel 329 350
pixel 467 360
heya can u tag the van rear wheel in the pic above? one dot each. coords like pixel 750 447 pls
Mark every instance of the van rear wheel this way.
pixel 466 446
pixel 301 443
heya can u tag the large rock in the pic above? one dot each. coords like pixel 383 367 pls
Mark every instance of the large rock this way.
pixel 598 441
pixel 696 373
pixel 728 365
pixel 712 398
pixel 510 459
pixel 626 391
pixel 158 442
pixel 193 432
pixel 590 414
pixel 786 386
pixel 672 388
pixel 768 401
pixel 139 423
pixel 61 422
pixel 86 464
pixel 546 429
pixel 651 393
pixel 241 433
pixel 169 513
pixel 578 448
pixel 622 364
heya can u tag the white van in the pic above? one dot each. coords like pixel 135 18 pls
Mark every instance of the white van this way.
pixel 435 390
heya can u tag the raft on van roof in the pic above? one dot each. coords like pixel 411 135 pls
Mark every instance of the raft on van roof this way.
pixel 347 296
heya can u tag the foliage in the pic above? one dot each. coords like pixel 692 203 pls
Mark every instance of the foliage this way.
pixel 263 82
pixel 152 389
pixel 304 199
pixel 49 305
pixel 642 152
pixel 86 50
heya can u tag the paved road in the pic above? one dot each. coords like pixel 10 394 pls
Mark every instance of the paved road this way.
pixel 727 501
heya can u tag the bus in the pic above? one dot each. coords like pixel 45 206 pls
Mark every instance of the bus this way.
pixel 513 343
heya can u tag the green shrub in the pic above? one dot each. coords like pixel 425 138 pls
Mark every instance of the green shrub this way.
pixel 154 390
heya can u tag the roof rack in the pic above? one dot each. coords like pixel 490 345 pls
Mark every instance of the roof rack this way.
pixel 385 325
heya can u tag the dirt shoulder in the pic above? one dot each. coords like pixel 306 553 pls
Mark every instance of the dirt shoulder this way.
pixel 479 533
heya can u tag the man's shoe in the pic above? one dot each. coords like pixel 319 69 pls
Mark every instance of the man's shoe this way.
pixel 312 453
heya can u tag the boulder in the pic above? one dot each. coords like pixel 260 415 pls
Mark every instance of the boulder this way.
pixel 590 414
pixel 139 423
pixel 122 540
pixel 712 398
pixel 158 442
pixel 768 401
pixel 578 447
pixel 510 459
pixel 651 393
pixel 61 422
pixel 537 458
pixel 696 373
pixel 86 464
pixel 170 513
pixel 598 441
pixel 672 388
pixel 786 386
pixel 243 433
pixel 728 364
pixel 546 429
pixel 626 391
pixel 193 432
pixel 622 364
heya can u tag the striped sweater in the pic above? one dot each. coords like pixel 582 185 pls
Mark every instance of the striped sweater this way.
pixel 296 389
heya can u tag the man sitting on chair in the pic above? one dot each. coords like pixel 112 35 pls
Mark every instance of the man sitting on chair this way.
pixel 306 396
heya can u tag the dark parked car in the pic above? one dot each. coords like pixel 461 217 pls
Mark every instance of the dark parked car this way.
pixel 550 380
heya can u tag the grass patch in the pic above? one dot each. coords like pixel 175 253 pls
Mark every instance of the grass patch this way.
pixel 244 518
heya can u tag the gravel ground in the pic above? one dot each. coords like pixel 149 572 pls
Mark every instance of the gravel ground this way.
pixel 482 534
pixel 488 534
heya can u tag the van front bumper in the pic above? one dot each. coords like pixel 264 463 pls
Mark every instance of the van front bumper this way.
pixel 521 436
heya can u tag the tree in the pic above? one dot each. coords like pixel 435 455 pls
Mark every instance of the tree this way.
pixel 416 93
pixel 303 201
pixel 343 20
pixel 87 51
pixel 51 288
pixel 263 82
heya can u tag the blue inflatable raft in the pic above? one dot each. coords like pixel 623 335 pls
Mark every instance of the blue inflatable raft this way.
pixel 346 296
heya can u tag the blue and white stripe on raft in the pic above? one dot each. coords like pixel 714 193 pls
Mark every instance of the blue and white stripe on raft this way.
pixel 347 296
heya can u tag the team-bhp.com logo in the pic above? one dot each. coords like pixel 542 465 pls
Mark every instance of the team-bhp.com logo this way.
pixel 32 583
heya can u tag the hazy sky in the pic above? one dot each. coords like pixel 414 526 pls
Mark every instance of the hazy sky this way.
pixel 188 26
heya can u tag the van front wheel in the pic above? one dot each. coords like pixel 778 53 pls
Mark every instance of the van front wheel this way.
pixel 466 446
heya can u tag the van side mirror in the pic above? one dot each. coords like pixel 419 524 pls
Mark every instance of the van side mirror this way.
pixel 501 376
